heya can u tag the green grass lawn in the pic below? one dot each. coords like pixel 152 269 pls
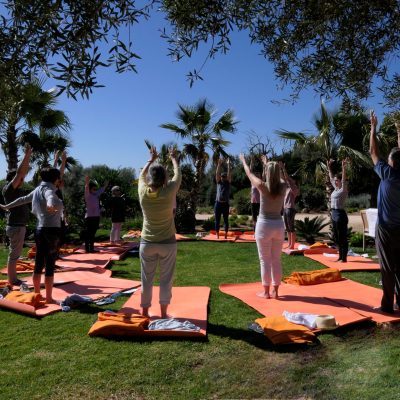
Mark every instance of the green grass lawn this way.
pixel 53 358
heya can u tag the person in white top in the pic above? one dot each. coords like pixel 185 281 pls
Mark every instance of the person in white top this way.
pixel 269 228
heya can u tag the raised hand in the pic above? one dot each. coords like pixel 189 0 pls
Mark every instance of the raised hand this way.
pixel 264 159
pixel 153 153
pixel 374 119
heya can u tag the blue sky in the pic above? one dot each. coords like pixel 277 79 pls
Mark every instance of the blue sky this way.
pixel 111 126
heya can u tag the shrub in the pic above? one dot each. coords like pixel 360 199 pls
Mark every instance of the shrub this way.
pixel 356 239
pixel 313 198
pixel 310 228
pixel 134 224
pixel 185 220
pixel 208 224
pixel 358 202
pixel 241 201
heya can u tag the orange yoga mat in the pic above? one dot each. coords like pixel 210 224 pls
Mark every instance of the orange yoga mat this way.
pixel 293 299
pixel 356 296
pixel 187 303
pixel 61 278
pixel 182 238
pixel 315 250
pixel 246 237
pixel 231 236
pixel 95 288
pixel 354 263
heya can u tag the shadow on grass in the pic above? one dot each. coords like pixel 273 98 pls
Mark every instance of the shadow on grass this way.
pixel 255 339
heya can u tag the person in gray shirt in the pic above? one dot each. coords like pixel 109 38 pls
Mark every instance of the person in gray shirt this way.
pixel 221 207
pixel 48 208
pixel 339 216
pixel 18 217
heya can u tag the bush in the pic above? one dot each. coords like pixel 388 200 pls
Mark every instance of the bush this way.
pixel 208 224
pixel 313 198
pixel 185 220
pixel 310 228
pixel 185 217
pixel 358 202
pixel 133 224
pixel 241 201
pixel 356 239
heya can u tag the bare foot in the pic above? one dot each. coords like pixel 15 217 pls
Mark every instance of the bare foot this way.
pixel 274 294
pixel 166 316
pixel 263 295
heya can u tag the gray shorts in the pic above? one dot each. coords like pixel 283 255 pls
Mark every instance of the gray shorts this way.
pixel 288 217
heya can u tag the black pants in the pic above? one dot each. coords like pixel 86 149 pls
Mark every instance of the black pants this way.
pixel 339 222
pixel 388 246
pixel 221 209
pixel 91 226
pixel 47 241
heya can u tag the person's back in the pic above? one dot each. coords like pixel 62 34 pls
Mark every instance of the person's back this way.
pixel 158 241
pixel 157 208
pixel 271 206
pixel 388 195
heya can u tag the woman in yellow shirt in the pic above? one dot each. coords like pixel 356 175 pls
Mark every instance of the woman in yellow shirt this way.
pixel 158 243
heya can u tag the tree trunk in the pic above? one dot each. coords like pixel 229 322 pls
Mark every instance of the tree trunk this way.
pixel 10 147
pixel 198 179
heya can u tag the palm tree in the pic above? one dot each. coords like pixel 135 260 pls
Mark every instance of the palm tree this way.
pixel 330 143
pixel 203 135
pixel 28 116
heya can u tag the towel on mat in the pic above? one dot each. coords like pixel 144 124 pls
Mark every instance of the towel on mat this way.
pixel 280 331
pixel 118 324
pixel 32 299
pixel 318 245
pixel 314 277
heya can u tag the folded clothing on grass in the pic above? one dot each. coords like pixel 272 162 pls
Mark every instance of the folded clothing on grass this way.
pixel 314 277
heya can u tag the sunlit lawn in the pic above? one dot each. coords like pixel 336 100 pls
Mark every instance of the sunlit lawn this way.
pixel 53 358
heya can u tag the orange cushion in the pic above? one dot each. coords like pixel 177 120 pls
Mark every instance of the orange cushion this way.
pixel 32 299
pixel 314 277
pixel 119 324
pixel 280 331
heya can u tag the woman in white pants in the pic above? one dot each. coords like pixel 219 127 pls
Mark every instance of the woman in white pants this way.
pixel 270 228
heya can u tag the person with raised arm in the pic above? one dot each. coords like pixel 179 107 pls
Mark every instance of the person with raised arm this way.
pixel 289 208
pixel 18 217
pixel 158 240
pixel 221 206
pixel 48 208
pixel 60 195
pixel 254 196
pixel 338 212
pixel 92 216
pixel 387 235
pixel 269 229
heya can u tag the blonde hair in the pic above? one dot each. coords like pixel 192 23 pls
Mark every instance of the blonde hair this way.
pixel 273 178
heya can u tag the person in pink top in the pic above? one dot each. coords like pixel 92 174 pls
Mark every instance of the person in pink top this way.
pixel 269 228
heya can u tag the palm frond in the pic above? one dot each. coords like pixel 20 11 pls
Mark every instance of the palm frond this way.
pixel 175 129
pixel 299 137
